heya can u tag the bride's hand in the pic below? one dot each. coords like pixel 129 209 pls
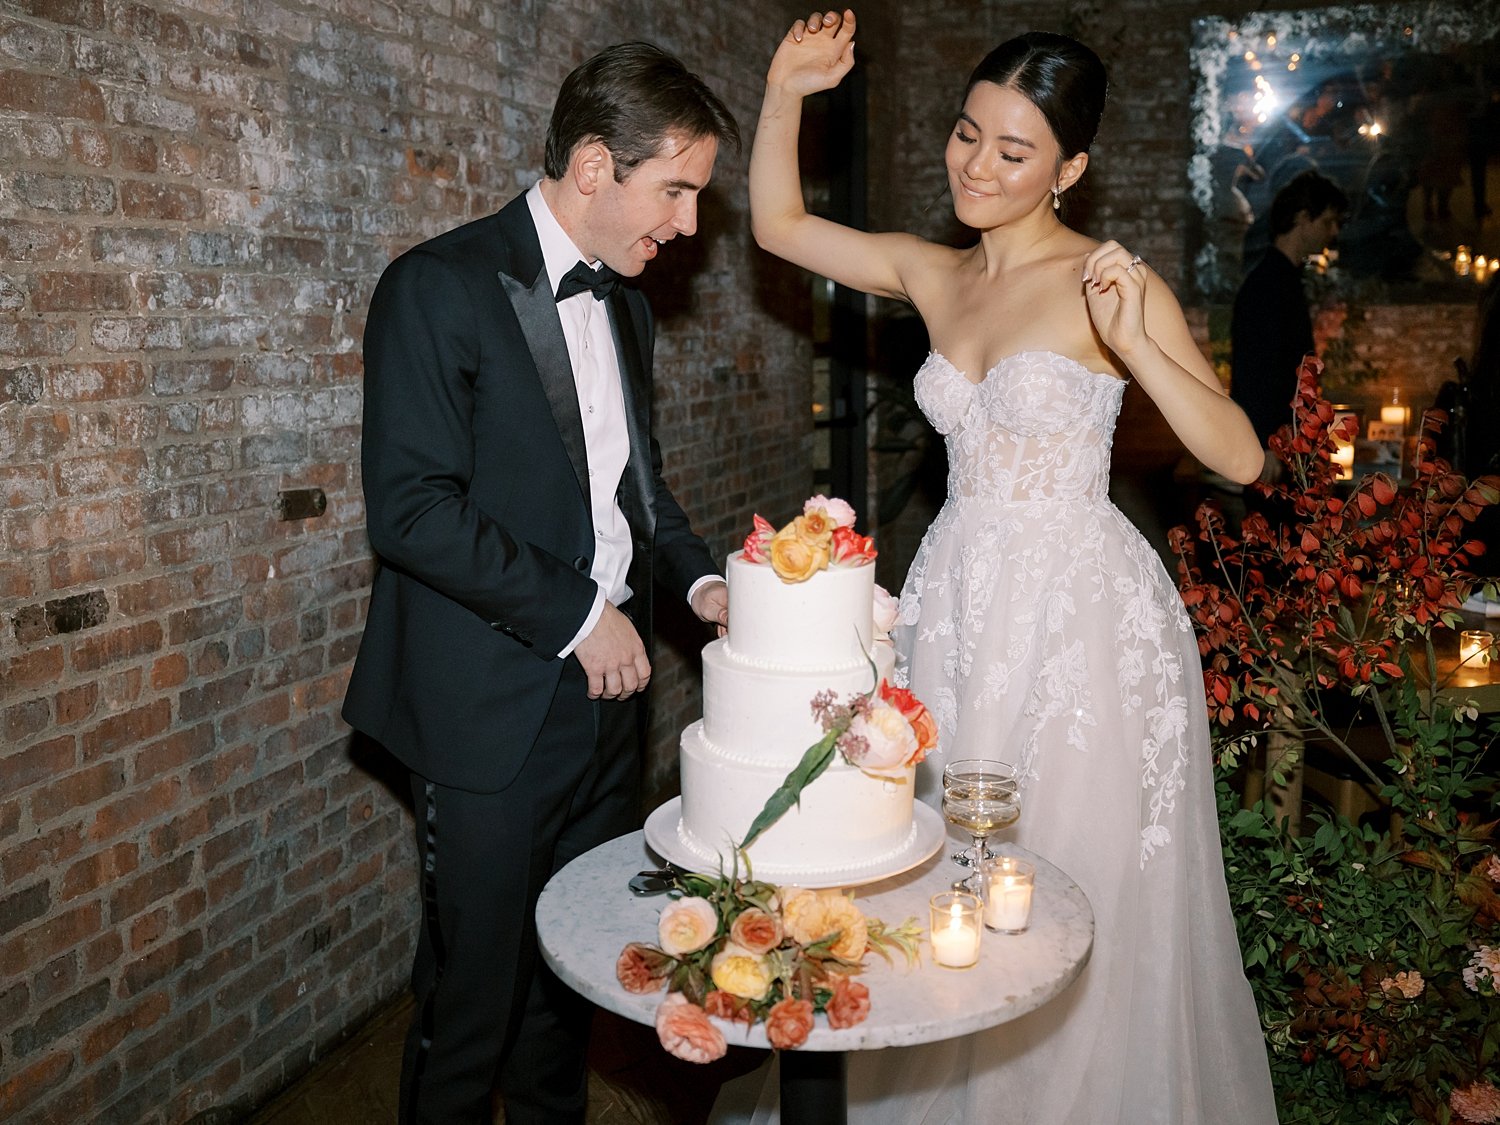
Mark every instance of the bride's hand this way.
pixel 1114 285
pixel 815 54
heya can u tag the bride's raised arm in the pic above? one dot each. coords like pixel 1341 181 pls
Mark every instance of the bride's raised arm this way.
pixel 814 56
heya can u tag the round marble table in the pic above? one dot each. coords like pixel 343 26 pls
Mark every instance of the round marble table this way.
pixel 586 915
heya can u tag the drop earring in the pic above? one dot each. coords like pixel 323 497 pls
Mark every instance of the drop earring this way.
pixel 1056 200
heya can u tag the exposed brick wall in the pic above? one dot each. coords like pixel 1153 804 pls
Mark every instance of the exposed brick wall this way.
pixel 200 887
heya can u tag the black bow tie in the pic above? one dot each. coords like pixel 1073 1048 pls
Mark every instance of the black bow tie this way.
pixel 583 277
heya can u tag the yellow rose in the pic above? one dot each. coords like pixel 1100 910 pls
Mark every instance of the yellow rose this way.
pixel 815 528
pixel 793 558
pixel 811 916
pixel 739 972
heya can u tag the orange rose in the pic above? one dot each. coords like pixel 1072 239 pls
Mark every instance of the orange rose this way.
pixel 794 559
pixel 789 1023
pixel 641 969
pixel 850 1003
pixel 723 1006
pixel 756 931
pixel 685 1031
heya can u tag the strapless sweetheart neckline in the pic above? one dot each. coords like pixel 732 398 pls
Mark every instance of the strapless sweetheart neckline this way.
pixel 1003 360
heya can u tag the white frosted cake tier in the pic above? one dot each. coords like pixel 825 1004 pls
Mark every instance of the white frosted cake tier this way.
pixel 847 819
pixel 824 623
pixel 757 714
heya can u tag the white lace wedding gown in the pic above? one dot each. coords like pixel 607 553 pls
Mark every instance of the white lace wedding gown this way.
pixel 1041 629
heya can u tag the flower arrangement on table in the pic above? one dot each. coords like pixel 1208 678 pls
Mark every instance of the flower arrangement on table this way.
pixel 1372 948
pixel 822 536
pixel 750 952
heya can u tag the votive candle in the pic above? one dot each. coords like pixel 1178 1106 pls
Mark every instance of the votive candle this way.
pixel 1007 906
pixel 955 929
pixel 1474 648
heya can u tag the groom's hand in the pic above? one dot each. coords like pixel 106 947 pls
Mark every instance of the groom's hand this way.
pixel 613 657
pixel 711 604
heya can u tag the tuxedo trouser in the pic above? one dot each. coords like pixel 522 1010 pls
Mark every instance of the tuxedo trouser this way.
pixel 487 1005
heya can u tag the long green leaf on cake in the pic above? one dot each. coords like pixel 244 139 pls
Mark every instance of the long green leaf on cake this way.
pixel 804 773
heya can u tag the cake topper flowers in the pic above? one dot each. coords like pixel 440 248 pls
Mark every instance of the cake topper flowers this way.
pixel 822 536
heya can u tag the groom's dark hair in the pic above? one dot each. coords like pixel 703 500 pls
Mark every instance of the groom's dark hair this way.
pixel 630 97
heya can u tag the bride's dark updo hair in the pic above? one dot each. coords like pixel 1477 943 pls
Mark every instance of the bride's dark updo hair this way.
pixel 1060 76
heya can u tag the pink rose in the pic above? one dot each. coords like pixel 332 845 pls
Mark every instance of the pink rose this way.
pixel 789 1023
pixel 838 510
pixel 641 969
pixel 880 742
pixel 887 610
pixel 756 931
pixel 686 926
pixel 850 1003
pixel 758 542
pixel 685 1030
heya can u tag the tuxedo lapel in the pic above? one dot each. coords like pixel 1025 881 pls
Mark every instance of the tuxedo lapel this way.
pixel 637 493
pixel 536 310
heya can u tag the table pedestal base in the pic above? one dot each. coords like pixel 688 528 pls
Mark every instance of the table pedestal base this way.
pixel 813 1088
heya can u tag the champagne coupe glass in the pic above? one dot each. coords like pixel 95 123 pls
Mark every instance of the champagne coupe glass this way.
pixel 981 797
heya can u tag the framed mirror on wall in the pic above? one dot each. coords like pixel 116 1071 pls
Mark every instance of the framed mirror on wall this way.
pixel 1398 104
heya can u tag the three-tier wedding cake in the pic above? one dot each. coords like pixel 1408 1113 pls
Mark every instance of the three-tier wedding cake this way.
pixel 793 643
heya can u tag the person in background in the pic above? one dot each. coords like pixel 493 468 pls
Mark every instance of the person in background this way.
pixel 518 513
pixel 1271 328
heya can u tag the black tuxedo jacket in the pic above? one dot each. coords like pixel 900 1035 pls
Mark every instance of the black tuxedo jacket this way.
pixel 477 494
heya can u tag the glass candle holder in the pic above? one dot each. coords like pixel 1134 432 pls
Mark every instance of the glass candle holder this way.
pixel 955 928
pixel 1474 647
pixel 1007 906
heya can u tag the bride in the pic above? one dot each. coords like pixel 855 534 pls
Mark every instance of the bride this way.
pixel 1036 623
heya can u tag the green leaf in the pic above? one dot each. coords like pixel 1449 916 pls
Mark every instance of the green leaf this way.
pixel 803 774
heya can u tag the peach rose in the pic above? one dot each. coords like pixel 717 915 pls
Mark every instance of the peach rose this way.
pixel 686 926
pixel 881 741
pixel 756 931
pixel 794 559
pixel 641 969
pixel 915 712
pixel 887 612
pixel 739 972
pixel 838 510
pixel 788 1023
pixel 850 1003
pixel 685 1031
pixel 811 916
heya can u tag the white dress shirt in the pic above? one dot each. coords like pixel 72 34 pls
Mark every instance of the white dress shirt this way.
pixel 601 404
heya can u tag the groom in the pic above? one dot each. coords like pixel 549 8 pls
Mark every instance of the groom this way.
pixel 516 505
